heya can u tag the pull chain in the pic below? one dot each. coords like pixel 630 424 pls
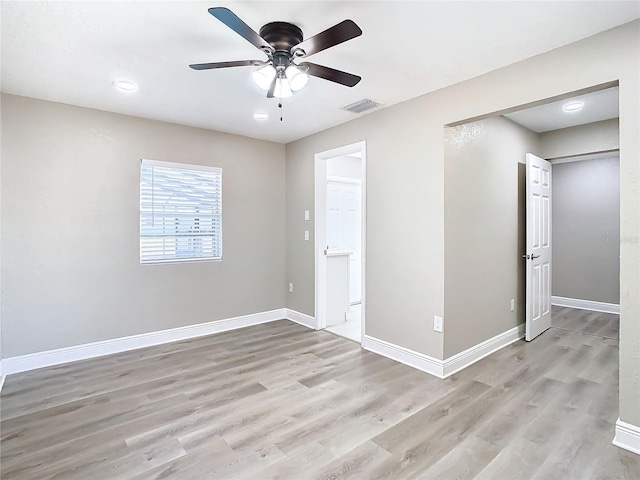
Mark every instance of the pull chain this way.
pixel 280 106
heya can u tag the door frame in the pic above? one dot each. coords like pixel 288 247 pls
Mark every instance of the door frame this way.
pixel 320 227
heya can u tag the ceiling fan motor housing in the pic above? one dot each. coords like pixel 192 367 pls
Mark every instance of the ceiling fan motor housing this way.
pixel 281 35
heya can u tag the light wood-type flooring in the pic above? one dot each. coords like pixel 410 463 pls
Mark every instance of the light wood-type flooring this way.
pixel 282 401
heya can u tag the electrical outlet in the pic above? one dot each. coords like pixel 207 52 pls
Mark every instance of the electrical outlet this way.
pixel 513 304
pixel 437 324
pixel 290 287
pixel 306 235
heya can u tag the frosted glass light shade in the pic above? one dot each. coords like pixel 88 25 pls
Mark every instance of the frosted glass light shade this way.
pixel 573 106
pixel 283 90
pixel 264 76
pixel 297 78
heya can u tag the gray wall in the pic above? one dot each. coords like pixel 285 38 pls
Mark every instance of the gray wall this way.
pixel 590 138
pixel 586 230
pixel 405 197
pixel 404 216
pixel 70 228
pixel 484 230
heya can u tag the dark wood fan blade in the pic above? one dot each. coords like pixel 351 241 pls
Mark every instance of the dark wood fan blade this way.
pixel 330 74
pixel 335 35
pixel 239 63
pixel 272 88
pixel 230 19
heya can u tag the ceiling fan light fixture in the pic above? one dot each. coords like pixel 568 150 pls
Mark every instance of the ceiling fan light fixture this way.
pixel 125 85
pixel 283 90
pixel 264 76
pixel 297 78
pixel 573 106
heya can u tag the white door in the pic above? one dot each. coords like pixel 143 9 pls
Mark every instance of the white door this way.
pixel 538 254
pixel 344 228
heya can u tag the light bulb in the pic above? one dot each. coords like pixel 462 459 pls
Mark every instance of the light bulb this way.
pixel 264 76
pixel 297 78
pixel 283 90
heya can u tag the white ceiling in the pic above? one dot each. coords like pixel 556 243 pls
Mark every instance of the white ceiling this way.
pixel 601 105
pixel 72 51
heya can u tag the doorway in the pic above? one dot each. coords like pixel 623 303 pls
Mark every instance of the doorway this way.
pixel 485 213
pixel 579 137
pixel 340 240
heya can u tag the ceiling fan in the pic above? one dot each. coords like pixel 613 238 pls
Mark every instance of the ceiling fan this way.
pixel 283 42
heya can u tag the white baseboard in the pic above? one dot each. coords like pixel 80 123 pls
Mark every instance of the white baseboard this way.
pixel 627 436
pixel 2 377
pixel 400 354
pixel 425 363
pixel 471 355
pixel 585 304
pixel 48 358
pixel 301 318
pixel 443 368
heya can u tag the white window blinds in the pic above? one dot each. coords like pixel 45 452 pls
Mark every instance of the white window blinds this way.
pixel 180 212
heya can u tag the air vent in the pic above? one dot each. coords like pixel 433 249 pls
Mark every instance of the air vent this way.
pixel 361 106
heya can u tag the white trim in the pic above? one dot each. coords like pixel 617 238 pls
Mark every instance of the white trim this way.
pixel 585 304
pixel 2 375
pixel 320 202
pixel 443 368
pixel 48 358
pixel 363 237
pixel 414 359
pixel 301 318
pixel 471 355
pixel 627 436
pixel 182 166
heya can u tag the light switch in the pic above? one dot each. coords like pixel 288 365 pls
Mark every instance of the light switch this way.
pixel 437 324
pixel 306 215
pixel 306 235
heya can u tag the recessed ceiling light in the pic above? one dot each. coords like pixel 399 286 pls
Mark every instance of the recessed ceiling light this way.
pixel 261 115
pixel 573 106
pixel 125 85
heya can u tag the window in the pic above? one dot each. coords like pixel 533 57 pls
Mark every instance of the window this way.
pixel 180 212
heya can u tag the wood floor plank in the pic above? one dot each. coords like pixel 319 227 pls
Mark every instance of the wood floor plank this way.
pixel 284 402
pixel 519 460
pixel 354 464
